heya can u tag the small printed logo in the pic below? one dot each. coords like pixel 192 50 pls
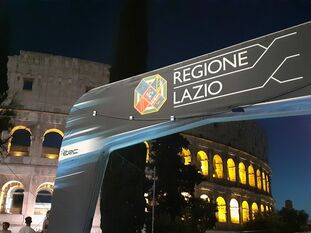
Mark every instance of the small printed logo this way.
pixel 69 152
pixel 150 94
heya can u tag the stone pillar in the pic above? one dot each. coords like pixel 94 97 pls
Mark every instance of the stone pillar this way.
pixel 261 179
pixel 257 179
pixel 240 210
pixel 228 198
pixel 246 174
pixel 237 175
pixel 26 183
pixel 29 199
pixel 255 175
pixel 224 166
pixel 270 186
pixel 240 200
pixel 210 164
pixel 36 146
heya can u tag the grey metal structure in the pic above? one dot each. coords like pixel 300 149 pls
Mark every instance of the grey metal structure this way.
pixel 262 78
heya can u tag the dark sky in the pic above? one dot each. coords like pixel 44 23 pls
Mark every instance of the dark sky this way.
pixel 178 30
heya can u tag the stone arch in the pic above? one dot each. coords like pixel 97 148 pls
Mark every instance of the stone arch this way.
pixel 245 212
pixel 203 159
pixel 251 176
pixel 234 211
pixel 262 209
pixel 231 170
pixel 218 167
pixel 186 155
pixel 205 197
pixel 11 197
pixel 19 141
pixel 52 139
pixel 46 186
pixel 242 173
pixel 254 210
pixel 53 130
pixel 221 214
pixel 43 198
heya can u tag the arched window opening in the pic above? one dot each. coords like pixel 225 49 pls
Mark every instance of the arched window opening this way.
pixel 205 197
pixel 14 206
pixel 258 176
pixel 231 170
pixel 262 209
pixel 268 184
pixel 186 155
pixel 218 167
pixel 221 213
pixel 254 210
pixel 242 173
pixel 251 176
pixel 19 143
pixel 203 159
pixel 234 211
pixel 245 212
pixel 267 209
pixel 43 198
pixel 43 202
pixel 52 141
pixel 11 198
pixel 264 181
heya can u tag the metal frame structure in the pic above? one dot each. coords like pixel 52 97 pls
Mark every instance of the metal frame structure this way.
pixel 266 77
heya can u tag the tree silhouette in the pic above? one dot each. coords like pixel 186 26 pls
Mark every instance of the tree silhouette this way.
pixel 6 113
pixel 284 221
pixel 122 196
pixel 176 208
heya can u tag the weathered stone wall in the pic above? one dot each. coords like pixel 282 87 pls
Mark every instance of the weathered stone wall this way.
pixel 244 135
pixel 57 82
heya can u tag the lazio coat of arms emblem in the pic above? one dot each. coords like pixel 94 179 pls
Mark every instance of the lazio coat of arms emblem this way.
pixel 150 94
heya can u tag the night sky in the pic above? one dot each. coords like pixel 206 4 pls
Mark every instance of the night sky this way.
pixel 178 30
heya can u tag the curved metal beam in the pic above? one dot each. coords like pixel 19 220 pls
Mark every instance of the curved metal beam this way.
pixel 266 77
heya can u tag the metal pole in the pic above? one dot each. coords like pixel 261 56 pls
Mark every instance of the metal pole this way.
pixel 153 199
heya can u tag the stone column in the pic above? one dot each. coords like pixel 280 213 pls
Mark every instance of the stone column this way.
pixel 36 146
pixel 228 198
pixel 237 175
pixel 26 183
pixel 210 164
pixel 29 199
pixel 224 166
pixel 246 174
pixel 269 177
pixel 240 200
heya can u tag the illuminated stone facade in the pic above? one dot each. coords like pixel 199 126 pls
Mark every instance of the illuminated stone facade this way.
pixel 238 181
pixel 43 88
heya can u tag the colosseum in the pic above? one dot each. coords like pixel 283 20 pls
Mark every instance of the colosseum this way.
pixel 42 89
pixel 232 159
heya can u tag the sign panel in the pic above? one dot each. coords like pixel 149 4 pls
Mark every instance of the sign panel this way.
pixel 266 77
